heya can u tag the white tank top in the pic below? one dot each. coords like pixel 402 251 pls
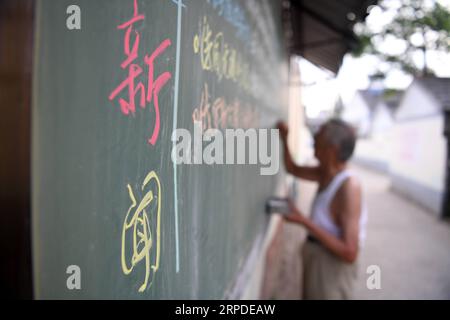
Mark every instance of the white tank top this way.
pixel 321 215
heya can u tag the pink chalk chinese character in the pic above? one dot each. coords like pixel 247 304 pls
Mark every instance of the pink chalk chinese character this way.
pixel 131 84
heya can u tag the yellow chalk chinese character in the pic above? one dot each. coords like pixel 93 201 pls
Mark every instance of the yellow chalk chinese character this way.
pixel 137 222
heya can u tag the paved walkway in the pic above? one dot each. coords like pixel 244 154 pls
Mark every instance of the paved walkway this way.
pixel 410 245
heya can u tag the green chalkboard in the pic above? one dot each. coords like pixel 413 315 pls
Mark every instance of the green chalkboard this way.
pixel 102 168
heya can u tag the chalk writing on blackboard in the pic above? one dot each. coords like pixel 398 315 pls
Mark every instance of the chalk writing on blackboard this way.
pixel 131 84
pixel 220 114
pixel 138 241
pixel 218 56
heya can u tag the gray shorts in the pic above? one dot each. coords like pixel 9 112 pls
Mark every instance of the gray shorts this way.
pixel 326 277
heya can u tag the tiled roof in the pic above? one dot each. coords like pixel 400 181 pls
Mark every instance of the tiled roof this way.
pixel 321 31
pixel 439 88
pixel 371 97
pixel 393 98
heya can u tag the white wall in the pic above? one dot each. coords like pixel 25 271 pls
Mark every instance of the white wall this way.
pixel 417 103
pixel 382 119
pixel 412 149
pixel 374 150
pixel 418 155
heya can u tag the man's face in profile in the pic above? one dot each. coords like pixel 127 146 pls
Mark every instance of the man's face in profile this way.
pixel 322 148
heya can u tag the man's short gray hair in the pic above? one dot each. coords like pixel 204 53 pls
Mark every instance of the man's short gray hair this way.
pixel 342 136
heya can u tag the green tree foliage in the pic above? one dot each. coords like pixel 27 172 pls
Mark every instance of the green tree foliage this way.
pixel 421 25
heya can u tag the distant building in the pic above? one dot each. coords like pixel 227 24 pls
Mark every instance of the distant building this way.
pixel 383 112
pixel 418 146
pixel 359 111
pixel 372 113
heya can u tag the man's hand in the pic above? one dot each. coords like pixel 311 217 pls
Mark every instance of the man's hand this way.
pixel 283 130
pixel 295 216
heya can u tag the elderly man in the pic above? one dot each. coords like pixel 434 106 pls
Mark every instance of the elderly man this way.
pixel 336 228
